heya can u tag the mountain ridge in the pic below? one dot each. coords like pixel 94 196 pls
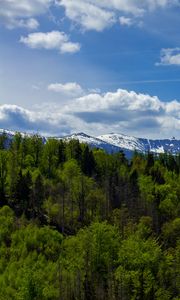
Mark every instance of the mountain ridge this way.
pixel 115 142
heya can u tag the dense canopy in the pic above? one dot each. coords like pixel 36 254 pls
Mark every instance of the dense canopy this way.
pixel 80 224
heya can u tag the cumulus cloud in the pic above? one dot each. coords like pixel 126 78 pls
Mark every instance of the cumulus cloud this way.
pixel 89 14
pixel 127 111
pixel 15 13
pixel 97 15
pixel 121 111
pixel 119 100
pixel 70 89
pixel 50 40
pixel 170 56
pixel 17 118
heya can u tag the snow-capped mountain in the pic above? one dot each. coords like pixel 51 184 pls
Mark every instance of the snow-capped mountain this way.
pixel 91 141
pixel 11 133
pixel 141 144
pixel 114 142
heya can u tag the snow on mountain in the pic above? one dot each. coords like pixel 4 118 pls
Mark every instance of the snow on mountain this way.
pixel 91 141
pixel 141 144
pixel 114 142
pixel 82 137
pixel 123 141
pixel 11 133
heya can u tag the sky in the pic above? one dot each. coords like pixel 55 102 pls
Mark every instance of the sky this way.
pixel 93 66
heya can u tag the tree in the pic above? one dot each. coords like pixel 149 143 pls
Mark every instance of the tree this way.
pixel 88 162
pixel 37 195
pixel 49 160
pixel 3 140
pixel 74 150
pixel 61 152
pixel 37 145
pixel 22 194
pixel 70 176
pixel 3 176
pixel 137 272
pixel 170 232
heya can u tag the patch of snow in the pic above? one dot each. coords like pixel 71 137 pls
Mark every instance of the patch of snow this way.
pixel 159 150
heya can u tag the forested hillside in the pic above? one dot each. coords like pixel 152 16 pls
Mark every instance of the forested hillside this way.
pixel 81 224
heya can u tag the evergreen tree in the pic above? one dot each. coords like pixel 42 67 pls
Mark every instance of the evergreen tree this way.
pixel 3 177
pixel 3 140
pixel 23 193
pixel 88 162
pixel 37 196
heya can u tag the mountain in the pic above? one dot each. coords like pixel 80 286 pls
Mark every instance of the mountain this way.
pixel 96 142
pixel 11 133
pixel 142 144
pixel 115 142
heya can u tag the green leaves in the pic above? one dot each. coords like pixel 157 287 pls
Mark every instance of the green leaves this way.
pixel 7 225
pixel 138 266
pixel 80 192
pixel 30 271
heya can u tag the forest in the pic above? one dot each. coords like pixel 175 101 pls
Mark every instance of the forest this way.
pixel 80 224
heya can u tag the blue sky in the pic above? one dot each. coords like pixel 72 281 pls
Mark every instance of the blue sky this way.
pixel 90 65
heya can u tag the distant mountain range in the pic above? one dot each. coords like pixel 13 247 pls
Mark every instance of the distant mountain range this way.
pixel 115 142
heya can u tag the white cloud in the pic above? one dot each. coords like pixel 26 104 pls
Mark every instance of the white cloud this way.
pixel 124 21
pixel 30 24
pixel 17 118
pixel 90 14
pixel 173 108
pixel 119 100
pixel 170 56
pixel 97 15
pixel 50 40
pixel 129 112
pixel 121 111
pixel 69 47
pixel 70 89
pixel 20 13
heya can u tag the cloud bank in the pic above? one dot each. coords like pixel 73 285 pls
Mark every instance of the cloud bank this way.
pixel 96 113
pixel 89 14
pixel 98 15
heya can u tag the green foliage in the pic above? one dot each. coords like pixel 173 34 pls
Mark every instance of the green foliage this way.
pixel 31 268
pixel 138 267
pixel 7 221
pixel 147 188
pixel 80 224
pixel 3 175
pixel 170 231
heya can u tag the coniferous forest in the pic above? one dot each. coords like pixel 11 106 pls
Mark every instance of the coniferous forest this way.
pixel 81 224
